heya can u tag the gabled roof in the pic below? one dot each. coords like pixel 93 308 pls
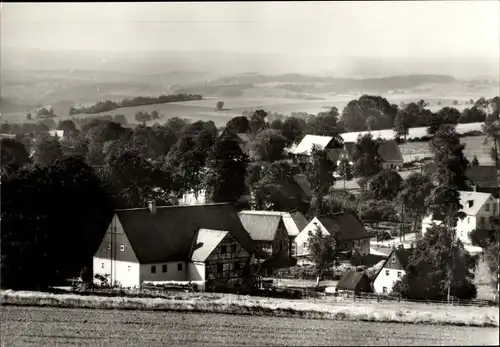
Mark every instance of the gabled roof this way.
pixel 350 280
pixel 205 242
pixel 478 200
pixel 403 255
pixel 483 176
pixel 346 223
pixel 260 227
pixel 168 234
pixel 254 220
pixel 305 146
pixel 386 134
pixel 389 151
pixel 299 219
pixel 304 185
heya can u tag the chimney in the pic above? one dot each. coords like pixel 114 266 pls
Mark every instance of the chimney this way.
pixel 152 206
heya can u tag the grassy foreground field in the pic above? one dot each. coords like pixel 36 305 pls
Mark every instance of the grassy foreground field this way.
pixel 44 326
pixel 328 308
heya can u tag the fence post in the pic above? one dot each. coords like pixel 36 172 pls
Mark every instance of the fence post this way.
pixel 378 298
pixel 399 298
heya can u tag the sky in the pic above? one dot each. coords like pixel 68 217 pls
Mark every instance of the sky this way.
pixel 363 29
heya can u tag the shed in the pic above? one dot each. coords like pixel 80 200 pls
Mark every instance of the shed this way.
pixel 353 281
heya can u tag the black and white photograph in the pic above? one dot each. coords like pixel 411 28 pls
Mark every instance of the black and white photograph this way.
pixel 262 173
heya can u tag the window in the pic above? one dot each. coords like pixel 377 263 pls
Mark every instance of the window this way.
pixel 481 221
pixel 399 273
pixel 129 268
pixel 153 269
pixel 236 266
pixel 122 248
pixel 487 207
pixel 393 258
pixel 109 246
pixel 468 220
pixel 164 268
pixel 223 249
pixel 233 249
pixel 179 267
pixel 387 272
pixel 102 265
pixel 384 290
pixel 219 268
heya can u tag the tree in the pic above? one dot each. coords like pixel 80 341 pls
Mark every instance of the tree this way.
pixel 121 119
pixel 413 195
pixel 455 102
pixel 322 250
pixel 345 170
pixel 176 123
pixel 268 145
pixel 402 124
pixel 47 149
pixel 226 170
pixel 155 114
pixel 472 115
pixel 386 184
pixel 366 159
pixel 319 171
pixel 293 129
pixel 475 161
pixel 377 210
pixel 257 121
pixel 325 123
pixel 491 256
pixel 277 124
pixel 491 128
pixel 29 116
pixel 220 105
pixel 238 124
pixel 39 202
pixel 13 155
pixel 357 112
pixel 68 126
pixel 437 266
pixel 446 115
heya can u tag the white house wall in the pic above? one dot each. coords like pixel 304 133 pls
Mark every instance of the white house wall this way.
pixel 384 280
pixel 124 273
pixel 172 274
pixel 196 271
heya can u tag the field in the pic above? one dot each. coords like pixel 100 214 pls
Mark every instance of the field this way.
pixel 24 326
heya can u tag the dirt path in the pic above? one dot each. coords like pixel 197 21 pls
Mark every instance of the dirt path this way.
pixel 25 326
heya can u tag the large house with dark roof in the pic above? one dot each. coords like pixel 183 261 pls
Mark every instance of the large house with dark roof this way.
pixel 242 139
pixel 345 226
pixel 393 269
pixel 200 243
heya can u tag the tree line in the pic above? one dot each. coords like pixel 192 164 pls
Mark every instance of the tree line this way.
pixel 108 105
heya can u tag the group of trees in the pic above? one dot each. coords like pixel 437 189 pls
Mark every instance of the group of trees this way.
pixel 145 116
pixel 108 105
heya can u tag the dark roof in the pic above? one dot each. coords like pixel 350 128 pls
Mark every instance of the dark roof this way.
pixel 169 234
pixel 350 280
pixel 299 219
pixel 347 223
pixel 304 185
pixel 368 260
pixel 260 227
pixel 389 151
pixel 403 255
pixel 483 176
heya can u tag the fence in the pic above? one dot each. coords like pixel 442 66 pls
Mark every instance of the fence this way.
pixel 369 297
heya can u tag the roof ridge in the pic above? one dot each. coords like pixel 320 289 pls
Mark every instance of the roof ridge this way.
pixel 173 206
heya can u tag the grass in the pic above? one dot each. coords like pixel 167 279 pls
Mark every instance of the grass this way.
pixel 409 313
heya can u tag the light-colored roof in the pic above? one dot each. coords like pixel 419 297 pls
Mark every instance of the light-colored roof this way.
pixel 305 146
pixel 59 133
pixel 479 199
pixel 206 241
pixel 288 220
pixel 260 227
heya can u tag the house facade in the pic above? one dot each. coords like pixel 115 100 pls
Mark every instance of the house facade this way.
pixel 482 212
pixel 345 226
pixel 199 243
pixel 393 269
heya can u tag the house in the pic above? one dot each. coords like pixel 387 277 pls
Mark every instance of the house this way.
pixel 304 186
pixel 354 282
pixel 346 226
pixel 243 139
pixel 57 133
pixel 393 269
pixel 204 243
pixel 270 232
pixel 367 260
pixel 485 179
pixel 388 150
pixel 482 212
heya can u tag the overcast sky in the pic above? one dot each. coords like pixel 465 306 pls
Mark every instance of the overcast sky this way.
pixel 370 29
